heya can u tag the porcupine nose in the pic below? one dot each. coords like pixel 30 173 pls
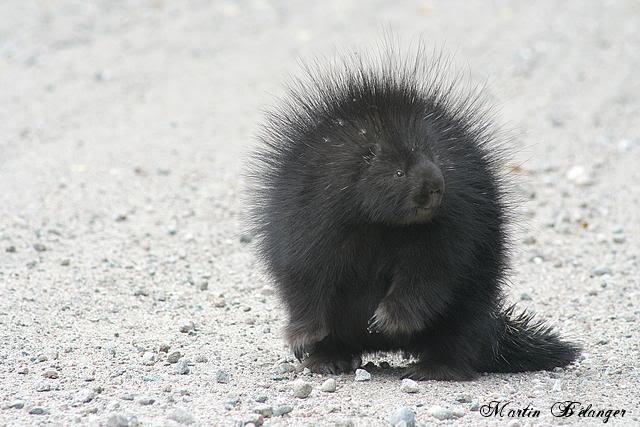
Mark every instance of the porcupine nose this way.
pixel 431 187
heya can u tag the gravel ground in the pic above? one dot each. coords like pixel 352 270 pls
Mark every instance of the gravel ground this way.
pixel 130 296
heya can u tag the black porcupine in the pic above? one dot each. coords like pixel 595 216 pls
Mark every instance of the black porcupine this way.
pixel 380 213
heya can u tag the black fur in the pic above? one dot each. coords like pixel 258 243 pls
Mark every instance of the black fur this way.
pixel 380 214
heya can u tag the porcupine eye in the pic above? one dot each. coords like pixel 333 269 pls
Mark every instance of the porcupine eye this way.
pixel 399 173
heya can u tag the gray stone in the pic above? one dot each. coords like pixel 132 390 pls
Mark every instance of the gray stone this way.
pixel 117 420
pixel 301 389
pixel 16 404
pixel 39 247
pixel 182 416
pixel 223 377
pixel 285 368
pixel 146 401
pixel 38 410
pixel 174 356
pixel 52 374
pixel 601 271
pixel 440 413
pixel 402 416
pixel 264 410
pixel 280 410
pixel 182 367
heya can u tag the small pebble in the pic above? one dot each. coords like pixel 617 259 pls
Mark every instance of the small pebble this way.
pixel 201 358
pixel 463 398
pixel 10 249
pixel 182 416
pixel 146 401
pixel 362 375
pixel 264 410
pixel 329 385
pixel 475 406
pixel 255 419
pixel 222 377
pixel 38 410
pixel 85 395
pixel 164 348
pixel 285 368
pixel 182 367
pixel 440 413
pixel 458 412
pixel 261 398
pixel 41 387
pixel 52 374
pixel 127 396
pixel 557 385
pixel 16 404
pixel 280 410
pixel 601 271
pixel 173 357
pixel 514 423
pixel 579 176
pixel 186 326
pixel 149 358
pixel 619 238
pixel 301 389
pixel 117 420
pixel 402 416
pixel 39 247
pixel 409 386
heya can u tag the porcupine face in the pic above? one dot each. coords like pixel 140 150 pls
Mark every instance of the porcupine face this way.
pixel 401 182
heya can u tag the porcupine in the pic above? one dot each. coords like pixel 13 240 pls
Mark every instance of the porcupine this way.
pixel 381 214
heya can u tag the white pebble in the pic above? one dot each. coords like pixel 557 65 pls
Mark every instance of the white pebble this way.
pixel 409 386
pixel 329 385
pixel 440 413
pixel 362 375
pixel 579 176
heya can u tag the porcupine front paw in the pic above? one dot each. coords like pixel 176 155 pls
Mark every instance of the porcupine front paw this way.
pixel 422 372
pixel 392 318
pixel 302 337
pixel 334 364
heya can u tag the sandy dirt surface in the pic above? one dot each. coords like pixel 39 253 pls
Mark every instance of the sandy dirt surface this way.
pixel 129 294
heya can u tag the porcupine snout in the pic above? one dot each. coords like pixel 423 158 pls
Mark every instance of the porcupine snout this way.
pixel 429 186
